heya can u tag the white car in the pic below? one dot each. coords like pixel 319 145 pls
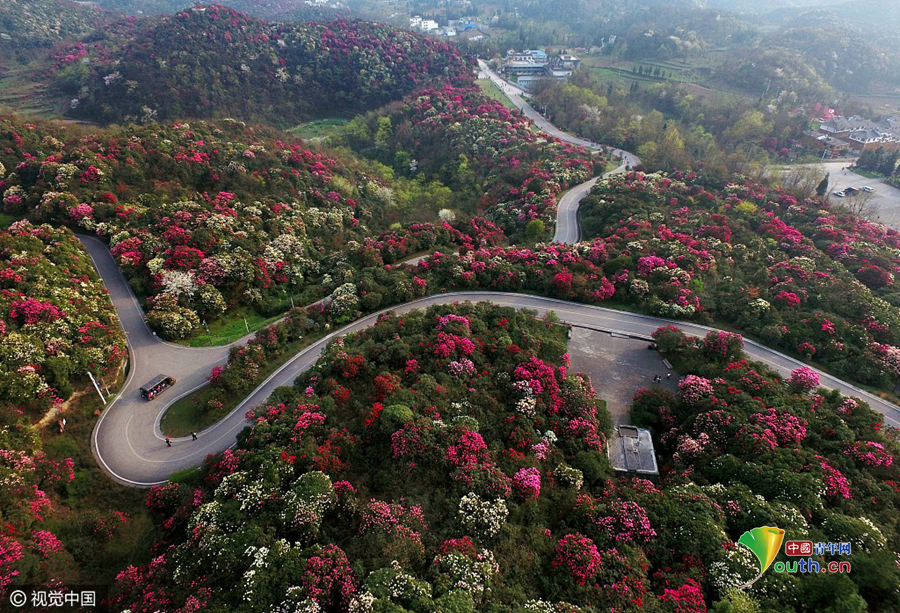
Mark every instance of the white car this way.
pixel 839 194
pixel 868 189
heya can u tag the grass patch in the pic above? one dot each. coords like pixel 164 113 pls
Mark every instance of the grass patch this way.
pixel 186 476
pixel 6 220
pixel 319 128
pixel 490 89
pixel 190 413
pixel 230 328
pixel 868 173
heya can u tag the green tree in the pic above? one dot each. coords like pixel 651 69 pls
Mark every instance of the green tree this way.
pixel 822 188
pixel 534 230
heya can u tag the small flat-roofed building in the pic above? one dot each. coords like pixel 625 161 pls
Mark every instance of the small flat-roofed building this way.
pixel 631 452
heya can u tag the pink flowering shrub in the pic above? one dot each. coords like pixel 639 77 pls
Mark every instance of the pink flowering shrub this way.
pixel 81 212
pixel 11 551
pixel 786 428
pixel 625 521
pixel 328 578
pixel 804 379
pixel 46 543
pixel 686 599
pixel 693 389
pixel 836 484
pixel 724 346
pixel 870 453
pixel 527 482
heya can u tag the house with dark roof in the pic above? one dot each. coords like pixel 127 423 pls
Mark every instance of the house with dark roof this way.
pixel 862 134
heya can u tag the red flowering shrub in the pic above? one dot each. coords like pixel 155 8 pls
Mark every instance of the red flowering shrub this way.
pixel 328 578
pixel 577 555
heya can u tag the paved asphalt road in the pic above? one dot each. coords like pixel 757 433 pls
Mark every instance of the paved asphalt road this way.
pixel 129 446
pixel 127 441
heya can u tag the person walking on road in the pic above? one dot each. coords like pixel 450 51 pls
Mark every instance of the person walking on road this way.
pixel 168 442
pixel 193 436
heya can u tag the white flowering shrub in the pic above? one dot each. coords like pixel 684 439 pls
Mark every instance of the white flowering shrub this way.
pixel 179 283
pixel 484 518
pixel 306 502
pixel 473 575
pixel 860 531
pixel 344 301
pixel 737 566
pixel 568 476
pixel 362 603
pixel 395 584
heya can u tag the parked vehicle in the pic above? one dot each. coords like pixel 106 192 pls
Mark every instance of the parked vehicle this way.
pixel 158 385
pixel 867 188
pixel 839 194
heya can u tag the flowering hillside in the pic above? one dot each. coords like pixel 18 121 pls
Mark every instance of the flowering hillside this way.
pixel 200 217
pixel 56 324
pixel 495 160
pixel 815 282
pixel 56 320
pixel 275 10
pixel 822 288
pixel 429 462
pixel 448 461
pixel 744 448
pixel 27 23
pixel 213 61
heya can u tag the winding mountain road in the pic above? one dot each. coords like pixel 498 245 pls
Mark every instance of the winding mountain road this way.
pixel 567 207
pixel 127 441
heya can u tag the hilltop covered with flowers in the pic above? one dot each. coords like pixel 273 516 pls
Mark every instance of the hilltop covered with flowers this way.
pixel 213 61
pixel 41 23
pixel 56 320
pixel 199 216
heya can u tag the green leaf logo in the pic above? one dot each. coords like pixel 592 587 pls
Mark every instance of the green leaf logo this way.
pixel 765 543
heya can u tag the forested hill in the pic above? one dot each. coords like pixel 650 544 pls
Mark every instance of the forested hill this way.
pixel 25 24
pixel 283 10
pixel 213 61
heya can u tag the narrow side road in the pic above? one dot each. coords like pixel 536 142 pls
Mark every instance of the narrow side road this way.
pixel 567 208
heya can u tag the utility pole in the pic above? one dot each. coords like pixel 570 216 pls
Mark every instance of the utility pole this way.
pixel 97 387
